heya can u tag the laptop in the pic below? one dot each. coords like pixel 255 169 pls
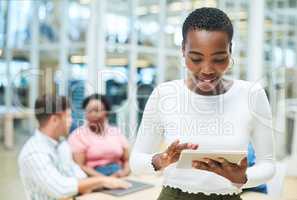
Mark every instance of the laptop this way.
pixel 136 186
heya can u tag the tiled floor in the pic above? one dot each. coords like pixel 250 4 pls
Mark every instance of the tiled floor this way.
pixel 11 187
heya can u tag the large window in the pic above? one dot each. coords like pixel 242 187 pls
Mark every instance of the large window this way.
pixel 3 24
pixel 19 15
pixel 148 22
pixel 156 56
pixel 79 16
pixel 146 74
pixel 49 22
pixel 118 22
pixel 19 79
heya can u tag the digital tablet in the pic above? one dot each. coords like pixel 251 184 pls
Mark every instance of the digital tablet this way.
pixel 135 187
pixel 187 156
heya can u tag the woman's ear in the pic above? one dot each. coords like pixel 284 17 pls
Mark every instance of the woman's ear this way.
pixel 230 48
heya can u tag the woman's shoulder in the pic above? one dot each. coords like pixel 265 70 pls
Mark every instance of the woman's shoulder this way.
pixel 78 131
pixel 170 86
pixel 114 129
pixel 249 86
pixel 176 82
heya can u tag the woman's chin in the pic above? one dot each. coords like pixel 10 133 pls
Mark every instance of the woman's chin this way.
pixel 207 87
pixel 96 127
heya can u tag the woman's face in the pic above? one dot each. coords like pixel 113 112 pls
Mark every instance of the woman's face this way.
pixel 96 112
pixel 207 57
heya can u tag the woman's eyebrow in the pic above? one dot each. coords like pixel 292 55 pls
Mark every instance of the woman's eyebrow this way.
pixel 215 53
pixel 196 52
pixel 220 52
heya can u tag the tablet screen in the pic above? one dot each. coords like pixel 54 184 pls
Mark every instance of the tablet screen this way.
pixel 187 156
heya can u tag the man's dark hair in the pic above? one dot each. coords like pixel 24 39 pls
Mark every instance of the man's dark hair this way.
pixel 48 105
pixel 99 97
pixel 209 19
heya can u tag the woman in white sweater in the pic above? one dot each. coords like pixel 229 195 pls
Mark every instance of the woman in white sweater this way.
pixel 205 111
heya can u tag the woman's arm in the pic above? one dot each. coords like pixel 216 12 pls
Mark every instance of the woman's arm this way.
pixel 80 159
pixel 262 140
pixel 144 157
pixel 126 168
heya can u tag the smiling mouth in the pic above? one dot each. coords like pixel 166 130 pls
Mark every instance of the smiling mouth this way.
pixel 208 79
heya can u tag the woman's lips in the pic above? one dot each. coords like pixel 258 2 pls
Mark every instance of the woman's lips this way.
pixel 207 79
pixel 207 83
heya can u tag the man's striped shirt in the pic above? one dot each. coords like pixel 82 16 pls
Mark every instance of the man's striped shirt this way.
pixel 47 169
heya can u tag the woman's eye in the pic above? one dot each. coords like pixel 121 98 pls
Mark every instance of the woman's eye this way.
pixel 220 60
pixel 91 111
pixel 196 60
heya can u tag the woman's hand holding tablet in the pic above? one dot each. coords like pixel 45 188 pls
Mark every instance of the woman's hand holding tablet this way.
pixel 171 154
pixel 236 173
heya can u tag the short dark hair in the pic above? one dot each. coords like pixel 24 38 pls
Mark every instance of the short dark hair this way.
pixel 209 19
pixel 48 105
pixel 99 97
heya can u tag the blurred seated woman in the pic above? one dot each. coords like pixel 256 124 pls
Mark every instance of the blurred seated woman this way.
pixel 99 148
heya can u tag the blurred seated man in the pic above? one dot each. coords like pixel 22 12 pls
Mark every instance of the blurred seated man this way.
pixel 45 162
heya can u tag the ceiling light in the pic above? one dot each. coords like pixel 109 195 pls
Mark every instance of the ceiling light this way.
pixel 154 9
pixel 176 6
pixel 78 59
pixel 211 3
pixel 141 63
pixel 85 2
pixel 141 11
pixel 117 61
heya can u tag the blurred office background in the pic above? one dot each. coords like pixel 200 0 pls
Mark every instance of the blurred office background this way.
pixel 61 45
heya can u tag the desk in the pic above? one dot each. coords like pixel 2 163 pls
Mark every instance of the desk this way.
pixel 148 194
pixel 9 115
pixel 153 193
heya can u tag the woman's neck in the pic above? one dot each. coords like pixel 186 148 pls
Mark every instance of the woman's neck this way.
pixel 98 129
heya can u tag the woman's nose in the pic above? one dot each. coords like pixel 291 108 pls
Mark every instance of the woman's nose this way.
pixel 207 69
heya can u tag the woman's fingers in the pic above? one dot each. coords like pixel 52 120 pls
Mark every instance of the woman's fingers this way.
pixel 222 167
pixel 181 147
pixel 193 146
pixel 177 147
pixel 173 151
pixel 172 147
pixel 244 163
pixel 213 164
pixel 226 164
pixel 199 165
pixel 185 146
pixel 164 156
